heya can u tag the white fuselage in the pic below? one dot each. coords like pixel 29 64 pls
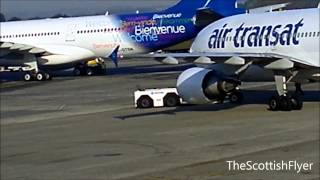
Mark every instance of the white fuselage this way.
pixel 294 34
pixel 95 36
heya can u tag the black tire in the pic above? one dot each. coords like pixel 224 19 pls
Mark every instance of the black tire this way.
pixel 145 102
pixel 171 100
pixel 89 71
pixel 274 103
pixel 40 76
pixel 236 97
pixel 48 76
pixel 285 103
pixel 80 70
pixel 297 103
pixel 76 71
pixel 27 77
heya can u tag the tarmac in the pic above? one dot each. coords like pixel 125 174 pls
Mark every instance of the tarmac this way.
pixel 86 128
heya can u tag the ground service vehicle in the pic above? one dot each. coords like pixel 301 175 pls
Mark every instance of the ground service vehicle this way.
pixel 162 97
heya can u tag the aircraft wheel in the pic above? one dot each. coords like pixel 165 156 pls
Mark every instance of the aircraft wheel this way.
pixel 274 103
pixel 89 72
pixel 48 76
pixel 285 103
pixel 76 71
pixel 27 77
pixel 40 76
pixel 297 103
pixel 236 97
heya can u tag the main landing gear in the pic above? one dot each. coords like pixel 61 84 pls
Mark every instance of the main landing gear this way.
pixel 284 101
pixel 34 73
pixel 38 76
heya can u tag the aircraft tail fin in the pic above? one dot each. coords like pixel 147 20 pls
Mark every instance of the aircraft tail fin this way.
pixel 114 56
pixel 222 7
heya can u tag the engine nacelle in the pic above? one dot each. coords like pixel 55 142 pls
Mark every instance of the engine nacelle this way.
pixel 201 86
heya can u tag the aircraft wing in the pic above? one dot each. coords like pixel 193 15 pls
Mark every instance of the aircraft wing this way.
pixel 275 7
pixel 16 47
pixel 48 54
pixel 234 58
pixel 54 54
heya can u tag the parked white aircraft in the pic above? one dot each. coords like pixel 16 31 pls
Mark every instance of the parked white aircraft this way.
pixel 70 41
pixel 286 43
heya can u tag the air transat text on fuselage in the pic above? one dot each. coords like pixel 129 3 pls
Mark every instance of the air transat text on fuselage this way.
pixel 256 36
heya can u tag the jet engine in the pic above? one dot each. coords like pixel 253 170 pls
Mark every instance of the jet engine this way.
pixel 200 86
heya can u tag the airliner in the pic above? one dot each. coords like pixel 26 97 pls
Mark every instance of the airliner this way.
pixel 285 43
pixel 65 42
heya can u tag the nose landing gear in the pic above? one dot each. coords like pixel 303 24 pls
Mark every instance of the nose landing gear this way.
pixel 285 103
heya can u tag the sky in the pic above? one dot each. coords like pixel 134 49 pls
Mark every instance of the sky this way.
pixel 46 8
